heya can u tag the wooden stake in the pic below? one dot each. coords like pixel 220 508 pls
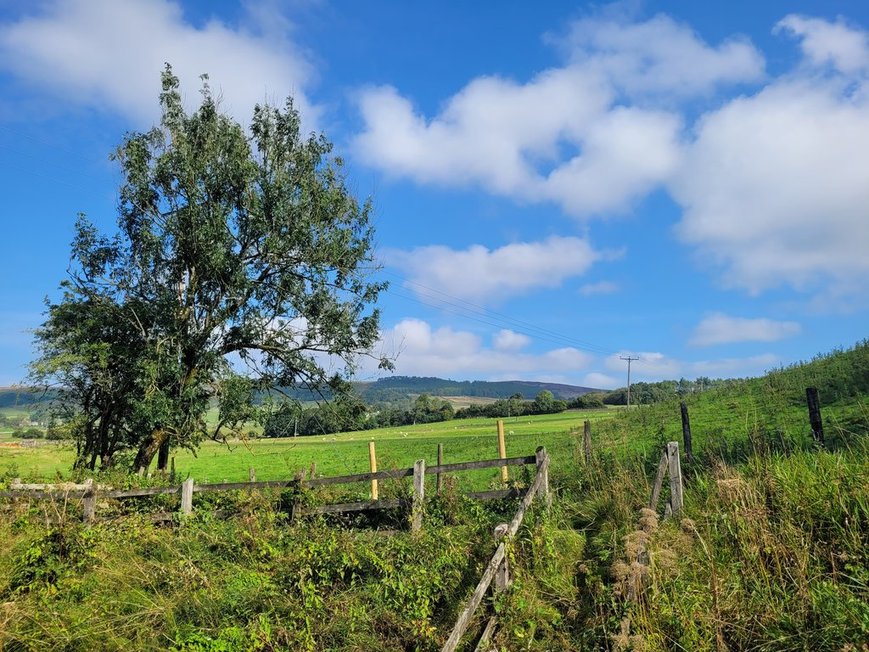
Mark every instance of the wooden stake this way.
pixel 502 451
pixel 90 501
pixel 686 432
pixel 372 463
pixel 543 469
pixel 418 495
pixel 675 470
pixel 659 482
pixel 814 405
pixel 187 496
pixel 440 477
pixel 251 474
pixel 502 574
pixel 586 440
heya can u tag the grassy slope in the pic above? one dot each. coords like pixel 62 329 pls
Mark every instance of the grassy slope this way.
pixel 771 553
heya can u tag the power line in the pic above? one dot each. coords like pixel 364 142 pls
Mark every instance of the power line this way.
pixel 476 312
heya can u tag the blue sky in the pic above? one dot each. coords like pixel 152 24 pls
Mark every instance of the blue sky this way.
pixel 555 184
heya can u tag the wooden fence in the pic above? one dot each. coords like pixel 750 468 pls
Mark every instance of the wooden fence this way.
pixel 497 568
pixel 90 493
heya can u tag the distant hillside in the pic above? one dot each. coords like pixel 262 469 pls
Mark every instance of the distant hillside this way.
pixel 399 387
pixel 20 396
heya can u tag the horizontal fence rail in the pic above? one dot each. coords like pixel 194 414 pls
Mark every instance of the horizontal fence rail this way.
pixel 90 492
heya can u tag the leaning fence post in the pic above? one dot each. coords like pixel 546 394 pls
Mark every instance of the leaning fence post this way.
pixel 502 451
pixel 187 496
pixel 90 501
pixel 502 574
pixel 372 464
pixel 418 495
pixel 675 469
pixel 586 440
pixel 814 405
pixel 440 477
pixel 543 469
pixel 659 481
pixel 686 431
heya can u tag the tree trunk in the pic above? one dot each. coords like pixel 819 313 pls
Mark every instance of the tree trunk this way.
pixel 163 455
pixel 148 448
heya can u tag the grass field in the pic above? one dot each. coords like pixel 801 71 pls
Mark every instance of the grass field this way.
pixel 338 454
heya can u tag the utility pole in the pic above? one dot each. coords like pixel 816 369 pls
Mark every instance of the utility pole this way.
pixel 629 359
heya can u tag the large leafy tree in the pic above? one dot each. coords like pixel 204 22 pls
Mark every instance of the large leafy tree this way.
pixel 235 250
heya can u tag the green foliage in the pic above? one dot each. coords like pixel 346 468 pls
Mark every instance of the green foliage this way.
pixel 227 245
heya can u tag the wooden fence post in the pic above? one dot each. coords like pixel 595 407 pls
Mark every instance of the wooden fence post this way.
pixel 814 405
pixel 502 450
pixel 313 472
pixel 372 465
pixel 675 469
pixel 172 471
pixel 187 496
pixel 659 482
pixel 540 453
pixel 251 474
pixel 686 432
pixel 90 501
pixel 418 495
pixel 502 575
pixel 440 477
pixel 586 440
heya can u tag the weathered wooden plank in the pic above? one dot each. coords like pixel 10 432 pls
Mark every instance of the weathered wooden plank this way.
pixel 440 476
pixel 359 477
pixel 485 642
pixel 464 618
pixel 543 470
pixel 139 493
pixel 362 506
pixel 473 602
pixel 481 464
pixel 675 471
pixel 187 496
pixel 659 482
pixel 89 503
pixel 418 507
pixel 243 486
pixel 502 451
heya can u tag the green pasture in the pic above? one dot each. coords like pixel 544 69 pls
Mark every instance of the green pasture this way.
pixel 339 454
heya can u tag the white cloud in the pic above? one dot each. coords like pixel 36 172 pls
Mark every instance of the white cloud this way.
pixel 719 328
pixel 775 188
pixel 108 54
pixel 823 42
pixel 564 136
pixel 507 340
pixel 660 56
pixel 598 380
pixel 480 274
pixel 425 351
pixel 653 366
pixel 601 287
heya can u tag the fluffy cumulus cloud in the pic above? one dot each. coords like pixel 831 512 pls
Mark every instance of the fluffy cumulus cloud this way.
pixel 775 186
pixel 109 54
pixel 511 137
pixel 485 275
pixel 719 328
pixel 422 350
pixel 508 340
